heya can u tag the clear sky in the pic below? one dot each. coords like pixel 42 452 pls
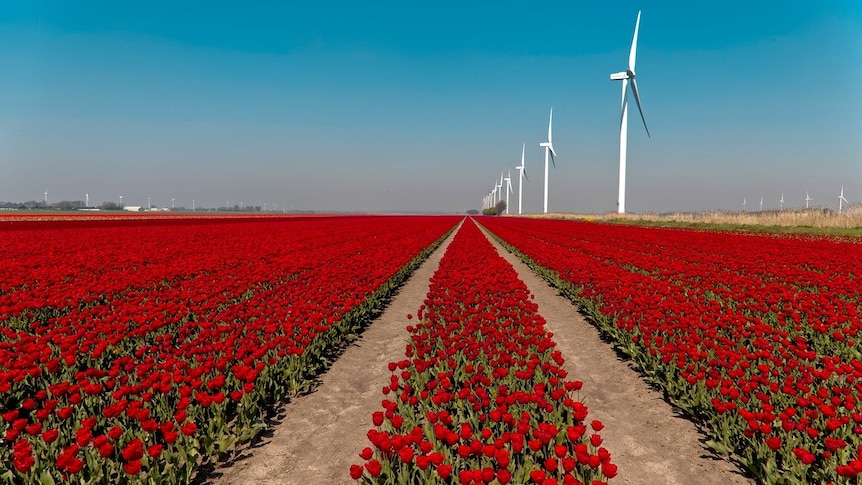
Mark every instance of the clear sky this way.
pixel 389 105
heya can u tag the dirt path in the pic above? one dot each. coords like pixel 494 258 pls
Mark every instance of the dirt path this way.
pixel 649 443
pixel 322 432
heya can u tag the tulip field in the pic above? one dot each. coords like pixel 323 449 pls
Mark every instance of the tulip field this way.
pixel 755 337
pixel 480 396
pixel 137 350
pixel 134 350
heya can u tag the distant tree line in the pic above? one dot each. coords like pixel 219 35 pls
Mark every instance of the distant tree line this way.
pixel 498 209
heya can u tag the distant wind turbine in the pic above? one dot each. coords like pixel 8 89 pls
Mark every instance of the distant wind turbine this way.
pixel 781 201
pixel 46 195
pixel 625 77
pixel 841 199
pixel 87 200
pixel 807 199
pixel 549 150
pixel 500 188
pixel 743 204
pixel 761 203
pixel 522 172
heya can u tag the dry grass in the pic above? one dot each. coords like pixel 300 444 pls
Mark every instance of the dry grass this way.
pixel 817 221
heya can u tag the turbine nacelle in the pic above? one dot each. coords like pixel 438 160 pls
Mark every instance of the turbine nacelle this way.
pixel 619 76
pixel 550 147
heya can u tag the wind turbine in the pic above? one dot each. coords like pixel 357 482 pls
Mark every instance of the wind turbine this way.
pixel 781 201
pixel 807 199
pixel 500 188
pixel 625 77
pixel 549 150
pixel 508 190
pixel 522 172
pixel 46 195
pixel 87 200
pixel 761 203
pixel 172 203
pixel 743 204
pixel 121 202
pixel 841 199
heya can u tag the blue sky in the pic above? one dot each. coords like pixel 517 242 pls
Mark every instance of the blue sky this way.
pixel 404 106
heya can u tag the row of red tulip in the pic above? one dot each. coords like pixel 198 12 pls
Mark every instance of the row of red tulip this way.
pixel 481 396
pixel 754 335
pixel 137 349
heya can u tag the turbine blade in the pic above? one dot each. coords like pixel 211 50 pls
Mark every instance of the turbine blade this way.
pixel 638 101
pixel 525 174
pixel 550 122
pixel 553 155
pixel 523 147
pixel 633 52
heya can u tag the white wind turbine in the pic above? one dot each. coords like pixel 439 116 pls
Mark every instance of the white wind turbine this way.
pixel 841 199
pixel 807 199
pixel 500 188
pixel 522 172
pixel 87 200
pixel 625 77
pixel 508 190
pixel 743 204
pixel 781 201
pixel 761 203
pixel 549 150
pixel 46 195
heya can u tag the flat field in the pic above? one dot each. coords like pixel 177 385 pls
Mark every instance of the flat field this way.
pixel 158 349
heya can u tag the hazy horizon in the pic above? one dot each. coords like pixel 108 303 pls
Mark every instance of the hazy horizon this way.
pixel 395 107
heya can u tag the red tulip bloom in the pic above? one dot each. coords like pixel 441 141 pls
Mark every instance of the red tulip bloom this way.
pixel 373 468
pixel 773 442
pixel 132 467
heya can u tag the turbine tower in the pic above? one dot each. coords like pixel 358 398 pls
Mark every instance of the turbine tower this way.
pixel 841 199
pixel 522 172
pixel 807 199
pixel 549 150
pixel 781 201
pixel 46 195
pixel 87 200
pixel 508 190
pixel 625 77
pixel 761 203
pixel 500 188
